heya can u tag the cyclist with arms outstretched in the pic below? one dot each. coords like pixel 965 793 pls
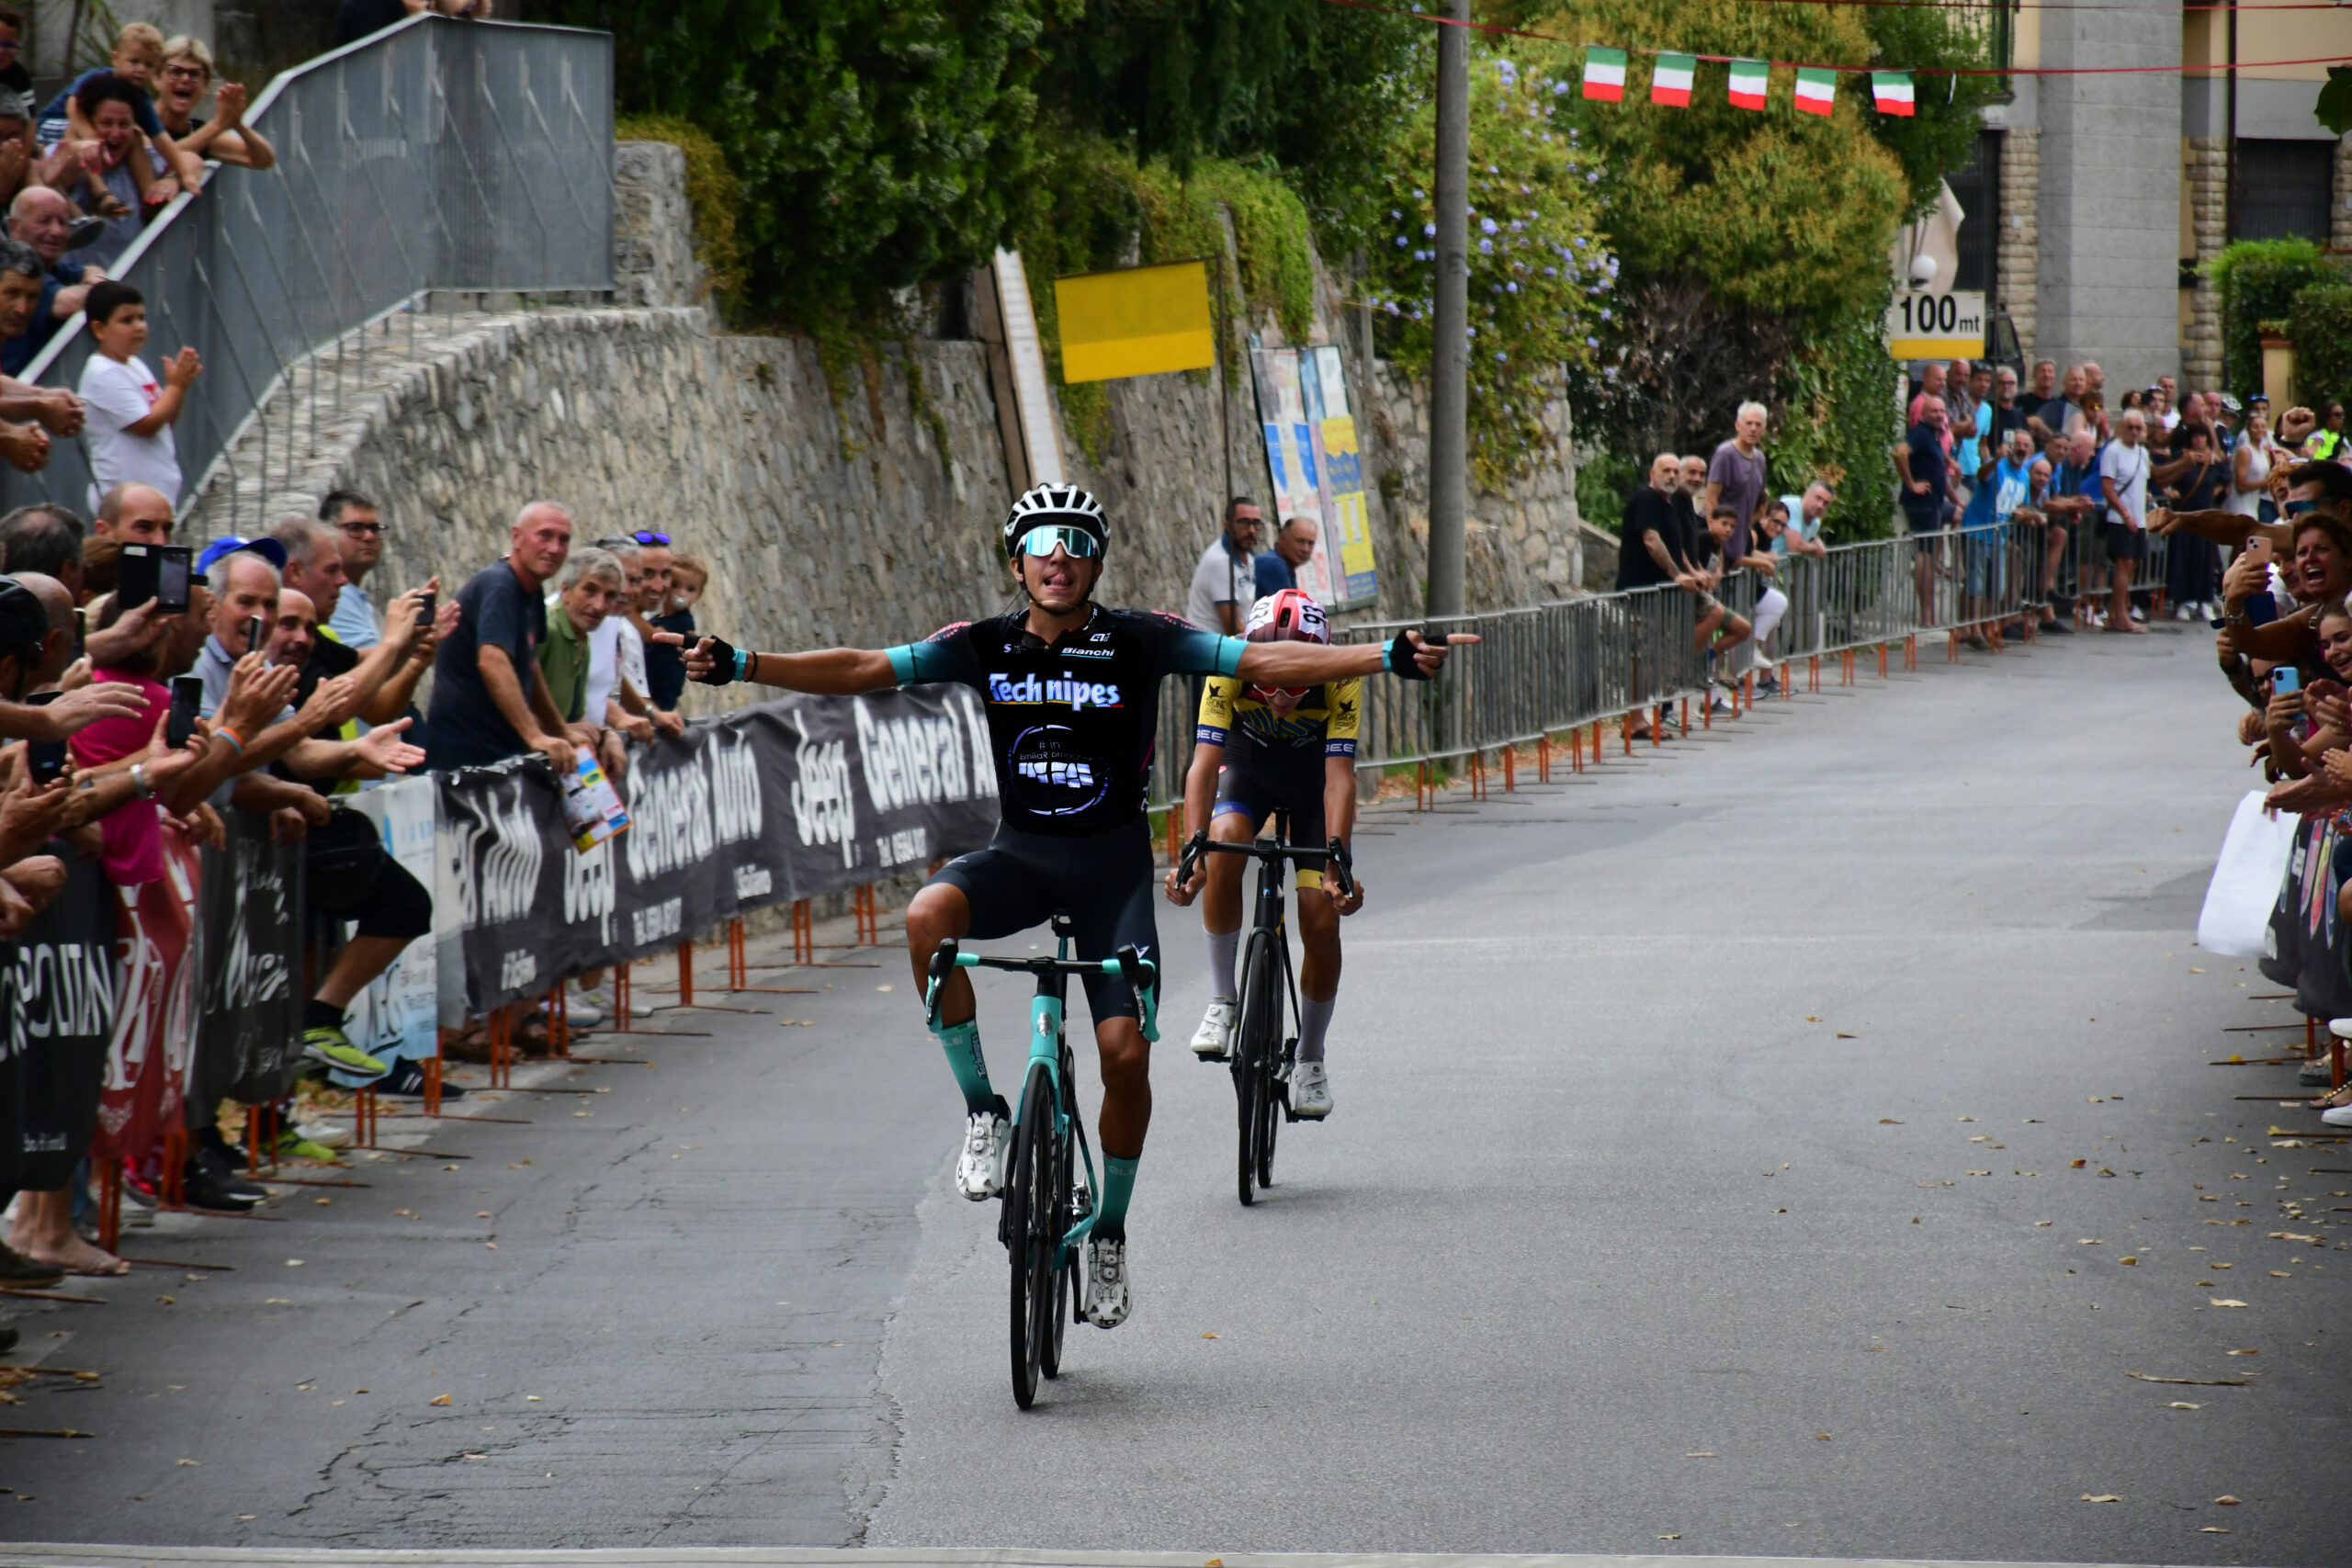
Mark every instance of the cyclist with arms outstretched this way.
pixel 1258 749
pixel 1071 690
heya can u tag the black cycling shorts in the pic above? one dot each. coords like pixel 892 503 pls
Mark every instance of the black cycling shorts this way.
pixel 1257 799
pixel 1103 881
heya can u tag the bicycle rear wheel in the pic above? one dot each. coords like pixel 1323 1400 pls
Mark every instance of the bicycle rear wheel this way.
pixel 1029 1215
pixel 1057 1302
pixel 1256 1048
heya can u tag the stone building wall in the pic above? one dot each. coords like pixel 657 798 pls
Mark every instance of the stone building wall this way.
pixel 2205 192
pixel 2339 212
pixel 2018 253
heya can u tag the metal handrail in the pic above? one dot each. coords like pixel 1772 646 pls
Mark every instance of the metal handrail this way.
pixel 1548 669
pixel 396 178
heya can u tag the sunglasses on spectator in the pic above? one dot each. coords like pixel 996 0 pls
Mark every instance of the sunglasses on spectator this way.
pixel 186 73
pixel 649 537
pixel 2297 508
pixel 376 528
pixel 1047 537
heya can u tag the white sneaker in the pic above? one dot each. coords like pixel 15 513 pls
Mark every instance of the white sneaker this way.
pixel 1310 1092
pixel 584 1008
pixel 1107 1302
pixel 1213 1041
pixel 979 1169
pixel 2337 1116
pixel 326 1135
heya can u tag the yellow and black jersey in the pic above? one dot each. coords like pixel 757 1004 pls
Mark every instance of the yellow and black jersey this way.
pixel 1287 748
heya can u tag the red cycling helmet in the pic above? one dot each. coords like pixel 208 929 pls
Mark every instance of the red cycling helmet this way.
pixel 1286 616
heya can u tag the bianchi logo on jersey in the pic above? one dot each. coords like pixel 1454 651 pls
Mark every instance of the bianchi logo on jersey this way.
pixel 1053 775
pixel 1060 690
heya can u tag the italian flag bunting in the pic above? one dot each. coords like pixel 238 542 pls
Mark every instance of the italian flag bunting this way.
pixel 1891 92
pixel 1817 90
pixel 1670 79
pixel 1605 74
pixel 1748 82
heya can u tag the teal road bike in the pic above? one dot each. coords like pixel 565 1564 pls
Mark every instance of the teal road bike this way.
pixel 1049 1181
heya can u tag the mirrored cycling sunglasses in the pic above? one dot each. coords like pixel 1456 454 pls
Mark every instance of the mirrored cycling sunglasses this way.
pixel 649 537
pixel 2297 508
pixel 1047 537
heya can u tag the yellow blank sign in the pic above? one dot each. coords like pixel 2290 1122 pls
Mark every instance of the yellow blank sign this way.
pixel 1138 321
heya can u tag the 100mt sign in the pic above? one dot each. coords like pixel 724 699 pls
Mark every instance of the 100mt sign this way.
pixel 1930 326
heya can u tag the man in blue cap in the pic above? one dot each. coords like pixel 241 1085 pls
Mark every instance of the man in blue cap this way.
pixel 392 910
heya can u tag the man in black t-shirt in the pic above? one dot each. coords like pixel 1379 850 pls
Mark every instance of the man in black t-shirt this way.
pixel 1071 693
pixel 488 699
pixel 1651 547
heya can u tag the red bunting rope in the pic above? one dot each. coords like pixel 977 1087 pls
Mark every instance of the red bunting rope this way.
pixel 2183 69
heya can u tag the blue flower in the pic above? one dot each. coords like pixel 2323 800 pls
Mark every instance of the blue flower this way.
pixel 1486 225
pixel 1514 288
pixel 1402 242
pixel 1577 242
pixel 1486 247
pixel 1429 231
pixel 1550 272
pixel 1604 313
pixel 1592 343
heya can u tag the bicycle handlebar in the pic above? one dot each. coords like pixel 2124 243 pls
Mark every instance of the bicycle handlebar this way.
pixel 1140 973
pixel 1336 858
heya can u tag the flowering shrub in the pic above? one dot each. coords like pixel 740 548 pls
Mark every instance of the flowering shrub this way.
pixel 1541 280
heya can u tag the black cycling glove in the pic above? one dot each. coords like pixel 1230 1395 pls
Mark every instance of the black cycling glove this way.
pixel 1400 661
pixel 726 664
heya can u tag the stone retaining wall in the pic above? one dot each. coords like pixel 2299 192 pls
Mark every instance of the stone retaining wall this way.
pixel 865 511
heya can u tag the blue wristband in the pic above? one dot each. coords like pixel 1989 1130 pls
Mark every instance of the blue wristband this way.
pixel 742 663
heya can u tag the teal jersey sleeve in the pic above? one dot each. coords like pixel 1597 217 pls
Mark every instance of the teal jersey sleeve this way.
pixel 946 655
pixel 1185 650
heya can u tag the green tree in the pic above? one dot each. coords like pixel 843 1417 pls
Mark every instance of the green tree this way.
pixel 1304 84
pixel 1541 282
pixel 877 143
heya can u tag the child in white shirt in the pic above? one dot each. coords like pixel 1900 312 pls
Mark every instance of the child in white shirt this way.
pixel 129 425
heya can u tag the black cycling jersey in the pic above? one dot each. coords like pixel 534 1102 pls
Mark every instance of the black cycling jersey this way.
pixel 1073 721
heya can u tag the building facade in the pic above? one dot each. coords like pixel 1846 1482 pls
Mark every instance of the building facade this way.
pixel 2093 199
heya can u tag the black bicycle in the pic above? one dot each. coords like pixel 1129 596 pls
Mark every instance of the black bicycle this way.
pixel 1263 1049
pixel 1049 1182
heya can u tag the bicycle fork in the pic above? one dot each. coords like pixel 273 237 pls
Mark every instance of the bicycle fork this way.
pixel 1046 1050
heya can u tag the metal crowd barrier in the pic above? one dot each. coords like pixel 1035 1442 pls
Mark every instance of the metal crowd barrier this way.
pixel 1549 669
pixel 439 155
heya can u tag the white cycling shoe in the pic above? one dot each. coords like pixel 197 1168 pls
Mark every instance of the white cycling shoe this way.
pixel 1310 1092
pixel 979 1169
pixel 1107 1302
pixel 1213 1041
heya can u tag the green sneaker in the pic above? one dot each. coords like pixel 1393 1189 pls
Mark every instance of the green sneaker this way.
pixel 334 1048
pixel 291 1145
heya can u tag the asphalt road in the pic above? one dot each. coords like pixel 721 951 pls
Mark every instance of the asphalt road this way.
pixel 1722 1167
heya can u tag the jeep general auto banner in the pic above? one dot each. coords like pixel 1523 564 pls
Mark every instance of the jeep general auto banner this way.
pixel 783 800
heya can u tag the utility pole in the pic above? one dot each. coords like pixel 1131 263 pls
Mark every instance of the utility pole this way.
pixel 1449 363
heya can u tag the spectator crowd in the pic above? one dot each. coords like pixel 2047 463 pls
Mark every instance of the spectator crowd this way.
pixel 295 689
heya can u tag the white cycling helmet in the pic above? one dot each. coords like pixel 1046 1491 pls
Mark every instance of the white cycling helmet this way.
pixel 1044 506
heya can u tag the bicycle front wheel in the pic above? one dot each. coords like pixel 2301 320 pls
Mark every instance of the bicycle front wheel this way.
pixel 1030 1214
pixel 1256 1048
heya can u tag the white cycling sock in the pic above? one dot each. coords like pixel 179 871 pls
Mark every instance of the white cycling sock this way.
pixel 1313 1018
pixel 1223 945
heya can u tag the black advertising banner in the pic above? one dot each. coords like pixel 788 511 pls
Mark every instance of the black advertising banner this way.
pixel 784 800
pixel 249 1004
pixel 58 985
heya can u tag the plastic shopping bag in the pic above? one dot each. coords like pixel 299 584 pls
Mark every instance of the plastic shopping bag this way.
pixel 2244 889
